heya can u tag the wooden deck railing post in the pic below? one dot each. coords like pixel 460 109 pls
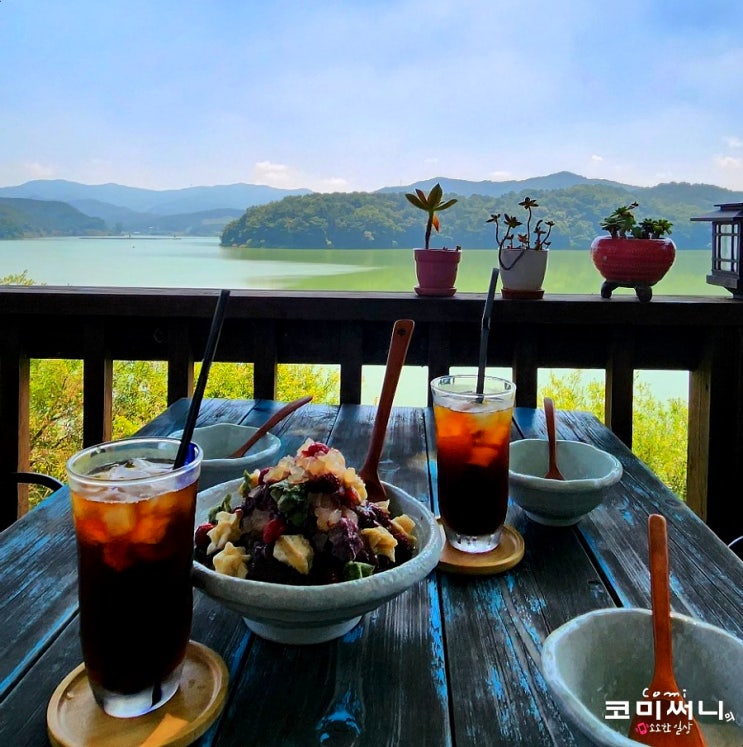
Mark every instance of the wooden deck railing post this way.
pixel 14 424
pixel 180 363
pixel 265 347
pixel 438 354
pixel 525 370
pixel 715 451
pixel 620 385
pixel 352 361
pixel 97 385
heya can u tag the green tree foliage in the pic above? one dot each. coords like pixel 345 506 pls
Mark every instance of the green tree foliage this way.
pixel 381 220
pixel 20 217
pixel 139 394
pixel 56 413
pixel 660 427
pixel 20 278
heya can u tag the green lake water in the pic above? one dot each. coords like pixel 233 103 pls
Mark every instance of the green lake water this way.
pixel 201 263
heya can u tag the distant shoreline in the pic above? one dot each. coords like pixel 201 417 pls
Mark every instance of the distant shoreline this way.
pixel 137 236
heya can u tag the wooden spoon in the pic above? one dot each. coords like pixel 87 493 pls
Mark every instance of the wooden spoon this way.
pixel 277 417
pixel 401 334
pixel 553 473
pixel 642 728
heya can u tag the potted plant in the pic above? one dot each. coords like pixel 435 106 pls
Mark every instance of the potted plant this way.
pixel 436 269
pixel 633 255
pixel 522 257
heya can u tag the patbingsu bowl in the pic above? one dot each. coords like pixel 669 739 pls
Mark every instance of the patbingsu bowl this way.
pixel 606 657
pixel 313 614
pixel 589 473
pixel 219 440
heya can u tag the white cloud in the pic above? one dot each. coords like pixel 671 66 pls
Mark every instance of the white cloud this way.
pixel 332 184
pixel 729 163
pixel 273 174
pixel 37 170
pixel 734 142
pixel 499 175
pixel 596 158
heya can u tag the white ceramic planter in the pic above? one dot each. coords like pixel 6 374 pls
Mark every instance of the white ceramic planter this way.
pixel 522 272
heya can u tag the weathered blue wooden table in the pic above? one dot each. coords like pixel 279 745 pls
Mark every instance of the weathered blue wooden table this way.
pixel 453 661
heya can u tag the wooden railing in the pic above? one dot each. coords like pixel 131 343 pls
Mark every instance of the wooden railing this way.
pixel 697 334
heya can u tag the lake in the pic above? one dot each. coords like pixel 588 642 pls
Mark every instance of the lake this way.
pixel 158 262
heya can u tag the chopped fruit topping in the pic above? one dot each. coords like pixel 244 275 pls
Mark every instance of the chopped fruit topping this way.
pixel 381 541
pixel 305 521
pixel 327 483
pixel 227 529
pixel 315 448
pixel 294 550
pixel 404 524
pixel 273 530
pixel 232 561
pixel 201 538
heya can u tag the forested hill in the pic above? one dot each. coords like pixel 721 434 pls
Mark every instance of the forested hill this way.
pixel 361 220
pixel 21 217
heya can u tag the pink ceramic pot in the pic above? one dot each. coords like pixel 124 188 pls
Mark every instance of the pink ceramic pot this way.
pixel 436 270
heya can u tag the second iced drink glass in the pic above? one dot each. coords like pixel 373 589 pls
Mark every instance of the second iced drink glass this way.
pixel 473 432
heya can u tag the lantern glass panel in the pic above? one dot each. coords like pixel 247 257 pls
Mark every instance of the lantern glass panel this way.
pixel 726 247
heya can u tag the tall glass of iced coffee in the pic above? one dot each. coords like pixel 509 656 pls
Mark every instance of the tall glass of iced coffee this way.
pixel 473 433
pixel 134 522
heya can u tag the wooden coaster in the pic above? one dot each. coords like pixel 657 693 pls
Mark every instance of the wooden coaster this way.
pixel 508 554
pixel 74 719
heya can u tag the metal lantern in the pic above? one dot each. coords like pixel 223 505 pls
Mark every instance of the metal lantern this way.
pixel 727 229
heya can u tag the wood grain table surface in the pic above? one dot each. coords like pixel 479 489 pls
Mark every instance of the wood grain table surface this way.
pixel 454 660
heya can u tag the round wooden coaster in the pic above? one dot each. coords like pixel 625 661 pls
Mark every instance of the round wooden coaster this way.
pixel 74 719
pixel 508 553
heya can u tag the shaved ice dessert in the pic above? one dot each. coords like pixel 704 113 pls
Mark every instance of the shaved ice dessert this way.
pixel 304 521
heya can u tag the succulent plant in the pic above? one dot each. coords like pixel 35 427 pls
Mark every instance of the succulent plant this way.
pixel 623 224
pixel 431 203
pixel 523 240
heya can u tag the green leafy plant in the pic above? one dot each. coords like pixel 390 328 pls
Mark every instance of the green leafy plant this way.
pixel 431 203
pixel 622 224
pixel 523 240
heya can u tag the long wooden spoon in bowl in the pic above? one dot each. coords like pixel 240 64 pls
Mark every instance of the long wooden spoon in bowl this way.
pixel 553 473
pixel 401 334
pixel 663 681
pixel 277 417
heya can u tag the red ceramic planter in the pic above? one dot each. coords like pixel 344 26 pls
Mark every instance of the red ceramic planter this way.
pixel 632 263
pixel 436 270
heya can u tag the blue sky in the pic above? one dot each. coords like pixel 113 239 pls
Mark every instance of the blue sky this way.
pixel 341 96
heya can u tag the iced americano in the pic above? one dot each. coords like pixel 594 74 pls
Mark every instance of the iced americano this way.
pixel 473 433
pixel 134 521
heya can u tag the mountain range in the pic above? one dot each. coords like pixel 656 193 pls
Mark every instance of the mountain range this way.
pixel 60 207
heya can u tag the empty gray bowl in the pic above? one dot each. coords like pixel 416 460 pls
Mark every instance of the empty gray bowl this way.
pixel 589 472
pixel 221 439
pixel 606 656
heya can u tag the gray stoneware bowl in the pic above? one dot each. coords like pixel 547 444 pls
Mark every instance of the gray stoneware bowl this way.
pixel 607 655
pixel 589 473
pixel 219 440
pixel 313 614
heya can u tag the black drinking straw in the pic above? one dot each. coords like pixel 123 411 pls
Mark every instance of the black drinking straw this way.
pixel 198 395
pixel 485 331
